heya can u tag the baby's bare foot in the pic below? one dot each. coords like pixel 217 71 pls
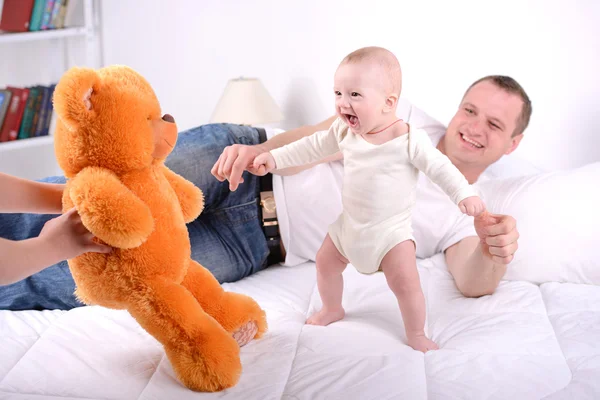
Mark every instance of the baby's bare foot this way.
pixel 326 317
pixel 421 343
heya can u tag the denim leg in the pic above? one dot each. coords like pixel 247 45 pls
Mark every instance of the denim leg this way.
pixel 227 237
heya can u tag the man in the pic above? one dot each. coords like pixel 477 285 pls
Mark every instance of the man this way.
pixel 488 124
pixel 235 236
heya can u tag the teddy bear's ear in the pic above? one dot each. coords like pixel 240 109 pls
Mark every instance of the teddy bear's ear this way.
pixel 74 96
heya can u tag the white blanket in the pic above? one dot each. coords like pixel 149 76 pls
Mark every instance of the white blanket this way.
pixel 523 342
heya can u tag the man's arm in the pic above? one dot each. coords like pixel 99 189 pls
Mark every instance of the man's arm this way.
pixel 478 263
pixel 238 158
pixel 25 196
pixel 475 274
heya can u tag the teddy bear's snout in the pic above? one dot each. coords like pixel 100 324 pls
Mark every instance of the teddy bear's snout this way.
pixel 168 118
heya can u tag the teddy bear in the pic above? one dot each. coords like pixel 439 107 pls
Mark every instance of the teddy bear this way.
pixel 111 142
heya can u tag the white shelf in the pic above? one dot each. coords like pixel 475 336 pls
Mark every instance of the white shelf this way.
pixel 25 143
pixel 7 37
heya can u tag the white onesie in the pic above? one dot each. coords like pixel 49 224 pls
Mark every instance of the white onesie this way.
pixel 379 187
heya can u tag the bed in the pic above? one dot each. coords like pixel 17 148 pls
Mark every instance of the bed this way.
pixel 536 337
pixel 524 342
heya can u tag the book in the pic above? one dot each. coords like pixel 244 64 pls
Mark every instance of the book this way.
pixel 47 14
pixel 16 15
pixel 43 111
pixel 12 122
pixel 37 105
pixel 5 96
pixel 36 15
pixel 29 113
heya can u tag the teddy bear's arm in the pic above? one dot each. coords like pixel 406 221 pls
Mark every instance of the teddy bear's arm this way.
pixel 108 209
pixel 190 197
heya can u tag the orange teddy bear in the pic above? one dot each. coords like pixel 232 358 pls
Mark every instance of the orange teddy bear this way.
pixel 111 142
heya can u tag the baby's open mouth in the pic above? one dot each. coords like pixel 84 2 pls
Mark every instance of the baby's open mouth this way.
pixel 352 120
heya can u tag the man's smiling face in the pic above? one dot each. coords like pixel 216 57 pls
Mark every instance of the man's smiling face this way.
pixel 482 129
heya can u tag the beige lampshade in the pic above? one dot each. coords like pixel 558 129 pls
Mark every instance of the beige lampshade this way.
pixel 246 101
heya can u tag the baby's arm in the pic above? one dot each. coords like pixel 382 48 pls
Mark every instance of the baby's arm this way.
pixel 25 196
pixel 442 172
pixel 304 151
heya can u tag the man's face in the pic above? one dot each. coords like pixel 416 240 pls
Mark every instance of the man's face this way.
pixel 482 129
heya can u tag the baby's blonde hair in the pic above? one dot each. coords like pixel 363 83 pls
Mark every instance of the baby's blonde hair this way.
pixel 392 73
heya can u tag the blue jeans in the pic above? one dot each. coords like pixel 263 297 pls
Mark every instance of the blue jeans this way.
pixel 227 238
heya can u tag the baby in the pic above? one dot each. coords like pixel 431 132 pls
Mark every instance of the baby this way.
pixel 382 159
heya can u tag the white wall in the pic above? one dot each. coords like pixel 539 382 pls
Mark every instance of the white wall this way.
pixel 188 49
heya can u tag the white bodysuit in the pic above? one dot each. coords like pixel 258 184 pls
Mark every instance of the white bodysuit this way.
pixel 379 187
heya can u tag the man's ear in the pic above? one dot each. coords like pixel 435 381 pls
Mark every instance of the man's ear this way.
pixel 73 98
pixel 515 140
pixel 390 103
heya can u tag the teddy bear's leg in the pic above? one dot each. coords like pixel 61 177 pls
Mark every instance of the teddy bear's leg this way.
pixel 239 314
pixel 204 356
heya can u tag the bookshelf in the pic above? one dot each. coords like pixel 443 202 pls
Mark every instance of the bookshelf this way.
pixel 7 37
pixel 33 157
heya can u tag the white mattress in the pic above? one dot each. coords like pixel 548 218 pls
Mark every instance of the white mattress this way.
pixel 524 342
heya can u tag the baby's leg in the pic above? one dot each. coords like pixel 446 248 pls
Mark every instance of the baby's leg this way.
pixel 400 268
pixel 330 265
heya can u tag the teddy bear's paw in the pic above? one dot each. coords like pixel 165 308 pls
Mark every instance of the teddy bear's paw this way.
pixel 241 310
pixel 245 333
pixel 209 365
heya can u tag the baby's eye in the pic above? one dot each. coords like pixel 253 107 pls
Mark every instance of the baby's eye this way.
pixel 355 94
pixel 469 111
pixel 337 93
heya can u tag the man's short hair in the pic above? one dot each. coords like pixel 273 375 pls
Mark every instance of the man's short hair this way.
pixel 511 86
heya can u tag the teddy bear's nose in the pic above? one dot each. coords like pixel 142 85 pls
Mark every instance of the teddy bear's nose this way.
pixel 168 118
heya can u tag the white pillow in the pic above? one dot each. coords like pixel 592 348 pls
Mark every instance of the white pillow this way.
pixel 558 218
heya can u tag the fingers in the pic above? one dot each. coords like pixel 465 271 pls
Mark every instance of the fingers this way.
pixel 502 240
pixel 260 170
pixel 504 224
pixel 94 247
pixel 70 212
pixel 502 260
pixel 99 248
pixel 228 165
pixel 236 174
pixel 215 169
pixel 504 251
pixel 463 209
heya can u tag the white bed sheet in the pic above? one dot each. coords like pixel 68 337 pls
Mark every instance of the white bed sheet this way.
pixel 524 342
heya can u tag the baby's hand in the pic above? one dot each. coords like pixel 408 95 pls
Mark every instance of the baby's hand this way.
pixel 67 236
pixel 264 163
pixel 472 206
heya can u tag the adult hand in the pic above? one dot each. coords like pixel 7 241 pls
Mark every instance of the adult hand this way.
pixel 499 235
pixel 234 160
pixel 67 236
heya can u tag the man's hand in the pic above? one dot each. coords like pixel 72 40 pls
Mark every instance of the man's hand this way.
pixel 498 235
pixel 264 163
pixel 232 163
